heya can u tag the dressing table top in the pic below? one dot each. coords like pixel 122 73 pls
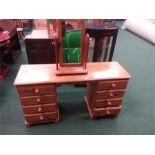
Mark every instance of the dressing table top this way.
pixel 45 73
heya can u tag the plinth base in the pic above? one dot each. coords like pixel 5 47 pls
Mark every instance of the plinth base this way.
pixel 71 71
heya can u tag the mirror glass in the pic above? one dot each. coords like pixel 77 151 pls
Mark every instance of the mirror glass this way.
pixel 71 41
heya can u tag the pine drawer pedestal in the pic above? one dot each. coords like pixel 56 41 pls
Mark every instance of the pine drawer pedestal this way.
pixel 105 97
pixel 39 103
pixel 36 86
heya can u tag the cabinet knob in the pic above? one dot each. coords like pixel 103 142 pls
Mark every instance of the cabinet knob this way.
pixel 109 103
pixel 113 85
pixel 111 94
pixel 38 99
pixel 39 109
pixel 108 112
pixel 41 117
pixel 36 90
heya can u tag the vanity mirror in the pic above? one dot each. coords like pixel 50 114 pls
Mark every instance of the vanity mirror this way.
pixel 72 47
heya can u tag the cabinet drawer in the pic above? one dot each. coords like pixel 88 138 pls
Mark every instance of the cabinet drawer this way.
pixel 109 94
pixel 41 117
pixel 36 100
pixel 107 103
pixel 34 90
pixel 107 111
pixel 39 109
pixel 117 84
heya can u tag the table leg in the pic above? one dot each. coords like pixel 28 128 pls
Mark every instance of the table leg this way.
pixel 106 48
pixel 98 47
pixel 112 47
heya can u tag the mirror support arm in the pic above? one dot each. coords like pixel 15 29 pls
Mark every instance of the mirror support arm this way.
pixel 86 49
pixel 56 50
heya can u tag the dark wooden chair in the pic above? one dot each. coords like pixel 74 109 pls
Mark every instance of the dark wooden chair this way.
pixel 20 29
pixel 28 24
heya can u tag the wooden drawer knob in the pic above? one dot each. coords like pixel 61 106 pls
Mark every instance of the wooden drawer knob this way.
pixel 41 117
pixel 108 112
pixel 109 103
pixel 111 94
pixel 39 109
pixel 38 99
pixel 36 90
pixel 113 85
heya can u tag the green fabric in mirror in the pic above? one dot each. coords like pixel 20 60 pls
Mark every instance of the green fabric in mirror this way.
pixel 71 47
pixel 71 39
pixel 71 55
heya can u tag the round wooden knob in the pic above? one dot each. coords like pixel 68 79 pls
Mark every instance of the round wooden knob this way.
pixel 111 95
pixel 109 103
pixel 39 109
pixel 108 112
pixel 38 99
pixel 36 90
pixel 41 117
pixel 113 85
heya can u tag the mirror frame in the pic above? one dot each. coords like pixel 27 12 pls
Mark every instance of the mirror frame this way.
pixel 71 68
pixel 82 36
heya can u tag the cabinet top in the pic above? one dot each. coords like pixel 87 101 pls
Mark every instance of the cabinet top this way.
pixel 38 34
pixel 46 73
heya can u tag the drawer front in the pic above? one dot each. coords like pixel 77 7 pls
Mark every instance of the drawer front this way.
pixel 107 111
pixel 34 90
pixel 41 117
pixel 39 109
pixel 111 94
pixel 107 85
pixel 37 100
pixel 107 103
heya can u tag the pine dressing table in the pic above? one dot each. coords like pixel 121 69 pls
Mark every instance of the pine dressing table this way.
pixel 37 89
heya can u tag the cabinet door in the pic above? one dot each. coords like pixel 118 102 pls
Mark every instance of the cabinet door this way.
pixel 40 51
